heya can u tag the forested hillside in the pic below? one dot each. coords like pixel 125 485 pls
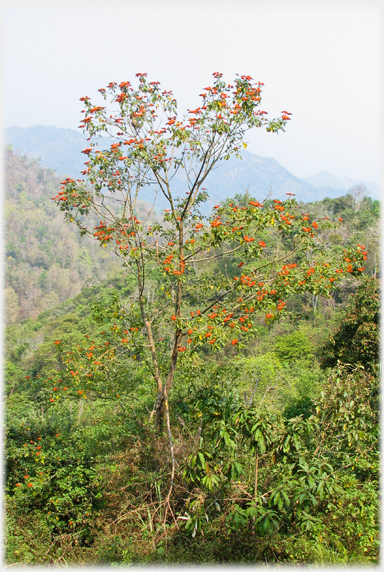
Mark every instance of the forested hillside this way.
pixel 46 261
pixel 275 441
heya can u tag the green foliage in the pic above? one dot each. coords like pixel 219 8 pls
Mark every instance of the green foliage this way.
pixel 317 452
pixel 293 347
pixel 266 457
pixel 309 474
pixel 356 339
pixel 50 470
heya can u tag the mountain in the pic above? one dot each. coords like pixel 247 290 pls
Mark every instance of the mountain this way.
pixel 325 180
pixel 47 261
pixel 259 175
pixel 60 149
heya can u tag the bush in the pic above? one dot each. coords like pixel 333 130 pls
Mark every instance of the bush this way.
pixel 293 347
pixel 356 341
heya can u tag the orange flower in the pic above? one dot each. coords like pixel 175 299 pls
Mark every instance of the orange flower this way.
pixel 30 484
pixel 262 244
pixel 234 342
pixel 341 219
pixel 57 342
pixel 173 317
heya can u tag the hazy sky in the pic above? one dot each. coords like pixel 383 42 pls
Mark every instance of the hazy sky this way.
pixel 319 60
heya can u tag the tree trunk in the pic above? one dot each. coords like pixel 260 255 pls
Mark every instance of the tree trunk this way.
pixel 163 391
pixel 159 412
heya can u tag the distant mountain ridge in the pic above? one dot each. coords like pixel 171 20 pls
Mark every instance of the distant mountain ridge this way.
pixel 326 180
pixel 60 149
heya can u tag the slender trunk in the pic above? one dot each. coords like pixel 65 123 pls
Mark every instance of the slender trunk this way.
pixel 159 413
pixel 152 347
pixel 164 391
pixel 257 381
pixel 166 407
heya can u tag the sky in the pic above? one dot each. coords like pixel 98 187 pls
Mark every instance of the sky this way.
pixel 319 60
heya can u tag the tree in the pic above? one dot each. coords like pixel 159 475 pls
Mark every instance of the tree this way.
pixel 199 283
pixel 358 193
pixel 356 340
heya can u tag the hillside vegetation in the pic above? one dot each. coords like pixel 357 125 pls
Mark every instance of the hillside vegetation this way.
pixel 276 443
pixel 46 261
